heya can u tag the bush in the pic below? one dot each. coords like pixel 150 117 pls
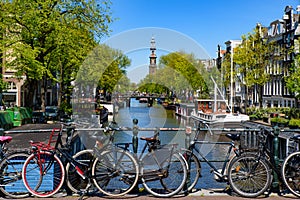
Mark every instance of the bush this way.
pixel 278 121
pixel 294 123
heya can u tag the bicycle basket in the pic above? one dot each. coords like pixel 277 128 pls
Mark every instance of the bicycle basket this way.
pixel 249 140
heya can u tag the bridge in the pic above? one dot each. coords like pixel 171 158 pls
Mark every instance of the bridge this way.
pixel 144 99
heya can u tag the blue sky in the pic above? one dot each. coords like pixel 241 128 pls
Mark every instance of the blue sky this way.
pixel 191 25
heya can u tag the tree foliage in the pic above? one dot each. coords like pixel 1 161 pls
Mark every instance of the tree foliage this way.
pixel 48 40
pixel 252 57
pixel 104 68
pixel 179 73
pixel 293 81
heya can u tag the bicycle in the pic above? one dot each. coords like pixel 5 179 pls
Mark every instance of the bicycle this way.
pixel 44 173
pixel 114 168
pixel 291 169
pixel 250 174
pixel 11 163
pixel 194 156
pixel 163 170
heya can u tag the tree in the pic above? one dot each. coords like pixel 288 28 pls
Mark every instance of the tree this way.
pixel 293 81
pixel 50 37
pixel 252 57
pixel 103 68
pixel 185 66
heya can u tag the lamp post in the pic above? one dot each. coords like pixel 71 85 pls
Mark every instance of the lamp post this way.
pixel 231 78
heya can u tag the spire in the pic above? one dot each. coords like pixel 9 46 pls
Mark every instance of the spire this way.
pixel 152 47
pixel 152 66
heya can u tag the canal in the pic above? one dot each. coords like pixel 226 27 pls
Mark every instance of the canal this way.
pixel 158 116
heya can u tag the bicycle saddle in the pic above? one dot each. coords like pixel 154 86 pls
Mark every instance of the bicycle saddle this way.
pixel 234 137
pixel 5 139
pixel 149 139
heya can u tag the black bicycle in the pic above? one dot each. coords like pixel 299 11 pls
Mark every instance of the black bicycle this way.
pixel 194 156
pixel 163 170
pixel 251 173
pixel 291 168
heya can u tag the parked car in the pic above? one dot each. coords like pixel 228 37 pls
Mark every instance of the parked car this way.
pixel 38 117
pixel 51 113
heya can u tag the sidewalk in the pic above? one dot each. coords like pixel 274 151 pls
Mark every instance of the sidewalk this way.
pixel 211 194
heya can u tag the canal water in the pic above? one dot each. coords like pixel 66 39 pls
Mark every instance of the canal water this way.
pixel 158 116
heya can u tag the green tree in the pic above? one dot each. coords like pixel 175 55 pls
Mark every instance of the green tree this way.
pixel 49 38
pixel 104 68
pixel 293 80
pixel 252 58
pixel 188 72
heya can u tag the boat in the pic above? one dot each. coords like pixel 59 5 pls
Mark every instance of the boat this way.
pixel 217 113
pixel 143 100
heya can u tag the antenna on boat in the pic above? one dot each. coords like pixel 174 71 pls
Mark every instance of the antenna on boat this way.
pixel 215 94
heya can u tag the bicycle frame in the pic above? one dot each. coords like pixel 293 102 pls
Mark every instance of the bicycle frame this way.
pixel 149 142
pixel 38 147
pixel 264 153
pixel 202 158
pixel 221 174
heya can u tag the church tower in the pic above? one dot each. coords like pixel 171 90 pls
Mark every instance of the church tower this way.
pixel 152 66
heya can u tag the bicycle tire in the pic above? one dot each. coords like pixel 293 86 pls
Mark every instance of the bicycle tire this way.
pixel 46 179
pixel 249 176
pixel 11 184
pixel 75 182
pixel 115 172
pixel 171 182
pixel 194 170
pixel 291 173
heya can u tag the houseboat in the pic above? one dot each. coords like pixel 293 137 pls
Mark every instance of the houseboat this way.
pixel 217 114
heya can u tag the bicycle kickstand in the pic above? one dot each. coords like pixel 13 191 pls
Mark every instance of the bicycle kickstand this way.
pixel 85 191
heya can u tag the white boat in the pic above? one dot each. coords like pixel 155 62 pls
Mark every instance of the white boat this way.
pixel 216 114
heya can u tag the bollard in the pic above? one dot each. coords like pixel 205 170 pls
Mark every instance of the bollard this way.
pixel 135 131
pixel 275 183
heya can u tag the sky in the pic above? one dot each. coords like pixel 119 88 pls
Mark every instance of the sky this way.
pixel 193 26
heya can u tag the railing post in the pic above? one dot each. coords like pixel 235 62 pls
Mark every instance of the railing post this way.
pixel 188 131
pixel 135 131
pixel 275 183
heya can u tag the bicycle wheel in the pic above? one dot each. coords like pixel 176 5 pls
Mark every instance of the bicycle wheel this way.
pixel 11 183
pixel 43 176
pixel 194 170
pixel 291 173
pixel 165 178
pixel 115 172
pixel 249 176
pixel 74 181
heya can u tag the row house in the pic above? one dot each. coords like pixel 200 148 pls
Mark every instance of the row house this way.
pixel 285 34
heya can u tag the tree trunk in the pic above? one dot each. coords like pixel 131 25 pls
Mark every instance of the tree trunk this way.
pixel 43 93
pixel 30 90
pixel 259 91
